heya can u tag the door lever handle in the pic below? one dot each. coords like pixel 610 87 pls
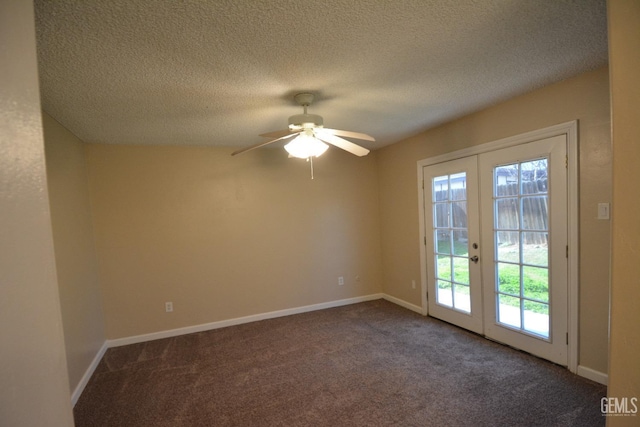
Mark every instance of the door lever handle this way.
pixel 474 259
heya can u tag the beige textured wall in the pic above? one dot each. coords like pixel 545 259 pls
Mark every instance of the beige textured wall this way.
pixel 624 45
pixel 586 98
pixel 34 389
pixel 224 237
pixel 76 263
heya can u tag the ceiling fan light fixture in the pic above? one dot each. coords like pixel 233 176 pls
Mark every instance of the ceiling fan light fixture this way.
pixel 311 135
pixel 306 145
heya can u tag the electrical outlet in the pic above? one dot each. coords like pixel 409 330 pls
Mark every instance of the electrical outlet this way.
pixel 413 284
pixel 168 307
pixel 341 280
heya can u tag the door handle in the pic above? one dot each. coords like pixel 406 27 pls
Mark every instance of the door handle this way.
pixel 474 259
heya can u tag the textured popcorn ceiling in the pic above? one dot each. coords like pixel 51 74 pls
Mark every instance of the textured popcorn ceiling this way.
pixel 222 72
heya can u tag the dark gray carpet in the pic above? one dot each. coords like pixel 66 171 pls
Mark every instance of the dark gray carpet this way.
pixel 369 364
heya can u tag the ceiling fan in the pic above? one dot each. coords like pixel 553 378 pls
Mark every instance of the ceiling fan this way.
pixel 311 135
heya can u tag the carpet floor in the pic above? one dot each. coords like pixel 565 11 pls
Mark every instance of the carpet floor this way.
pixel 368 364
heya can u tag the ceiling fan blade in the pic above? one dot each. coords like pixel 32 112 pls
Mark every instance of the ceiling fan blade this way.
pixel 342 143
pixel 279 133
pixel 262 144
pixel 349 134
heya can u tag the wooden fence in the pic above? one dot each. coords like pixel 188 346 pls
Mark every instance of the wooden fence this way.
pixel 535 211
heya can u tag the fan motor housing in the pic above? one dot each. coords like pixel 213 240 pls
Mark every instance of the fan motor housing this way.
pixel 305 121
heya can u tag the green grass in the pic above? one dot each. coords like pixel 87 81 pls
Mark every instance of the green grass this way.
pixel 535 284
pixel 460 263
pixel 535 280
pixel 459 248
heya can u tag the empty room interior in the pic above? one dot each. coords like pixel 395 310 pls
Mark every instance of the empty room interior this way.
pixel 473 193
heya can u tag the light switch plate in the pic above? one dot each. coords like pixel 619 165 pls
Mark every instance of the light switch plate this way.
pixel 603 210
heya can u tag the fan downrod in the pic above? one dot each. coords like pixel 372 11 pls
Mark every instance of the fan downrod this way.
pixel 304 120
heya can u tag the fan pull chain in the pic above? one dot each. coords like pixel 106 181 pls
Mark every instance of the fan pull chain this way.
pixel 310 160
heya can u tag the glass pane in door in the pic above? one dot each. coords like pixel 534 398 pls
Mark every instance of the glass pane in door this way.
pixel 450 231
pixel 521 231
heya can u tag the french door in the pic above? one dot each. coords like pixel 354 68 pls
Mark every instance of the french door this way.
pixel 496 244
pixel 455 292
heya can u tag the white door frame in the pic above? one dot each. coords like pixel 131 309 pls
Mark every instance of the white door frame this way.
pixel 570 129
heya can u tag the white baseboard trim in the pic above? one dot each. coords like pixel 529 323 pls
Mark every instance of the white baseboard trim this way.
pixel 403 303
pixel 593 375
pixel 238 321
pixel 87 375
